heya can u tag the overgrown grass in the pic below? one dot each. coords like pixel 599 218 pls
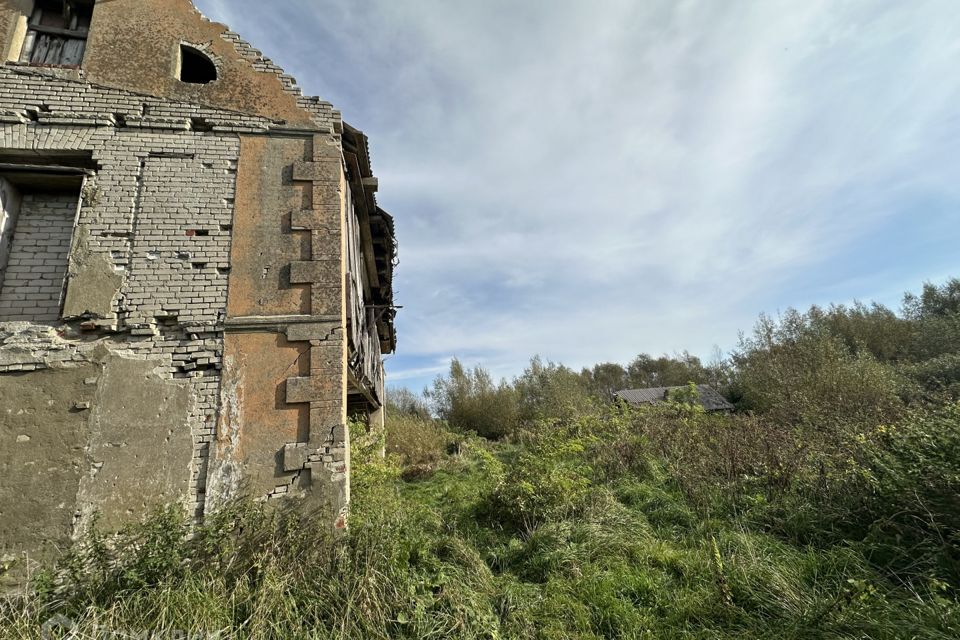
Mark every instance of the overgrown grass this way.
pixel 585 528
pixel 833 511
pixel 419 444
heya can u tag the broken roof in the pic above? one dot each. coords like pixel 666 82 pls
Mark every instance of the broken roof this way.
pixel 377 233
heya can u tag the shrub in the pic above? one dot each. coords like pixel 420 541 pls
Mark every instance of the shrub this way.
pixel 543 483
pixel 402 401
pixel 801 376
pixel 137 557
pixel 934 301
pixel 419 444
pixel 550 392
pixel 711 455
pixel 873 329
pixel 605 379
pixel 469 400
pixel 908 501
pixel 666 371
pixel 939 376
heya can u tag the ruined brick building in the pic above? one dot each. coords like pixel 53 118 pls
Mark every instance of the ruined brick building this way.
pixel 195 277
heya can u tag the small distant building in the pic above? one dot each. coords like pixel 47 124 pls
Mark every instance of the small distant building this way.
pixel 709 397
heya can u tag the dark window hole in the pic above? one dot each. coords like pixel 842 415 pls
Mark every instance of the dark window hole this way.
pixel 195 66
pixel 201 124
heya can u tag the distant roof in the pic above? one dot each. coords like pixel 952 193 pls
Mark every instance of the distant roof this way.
pixel 709 397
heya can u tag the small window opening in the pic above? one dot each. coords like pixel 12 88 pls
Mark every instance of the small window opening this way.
pixel 195 66
pixel 201 124
pixel 57 32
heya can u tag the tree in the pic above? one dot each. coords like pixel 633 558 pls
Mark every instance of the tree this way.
pixel 469 400
pixel 873 328
pixel 802 375
pixel 665 371
pixel 551 391
pixel 933 301
pixel 605 379
pixel 935 316
pixel 402 401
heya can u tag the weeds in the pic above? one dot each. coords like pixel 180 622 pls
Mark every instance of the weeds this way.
pixel 831 512
pixel 558 538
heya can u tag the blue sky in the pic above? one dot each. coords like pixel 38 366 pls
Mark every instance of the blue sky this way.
pixel 591 180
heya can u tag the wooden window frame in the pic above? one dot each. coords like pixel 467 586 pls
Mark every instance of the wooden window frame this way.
pixel 35 30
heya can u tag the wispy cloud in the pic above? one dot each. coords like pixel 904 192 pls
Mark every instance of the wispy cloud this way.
pixel 589 182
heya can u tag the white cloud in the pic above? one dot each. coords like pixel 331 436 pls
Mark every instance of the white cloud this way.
pixel 590 180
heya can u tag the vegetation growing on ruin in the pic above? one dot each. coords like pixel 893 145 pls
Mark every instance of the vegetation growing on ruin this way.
pixel 827 506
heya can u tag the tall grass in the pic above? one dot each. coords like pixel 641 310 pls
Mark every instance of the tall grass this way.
pixel 832 511
pixel 588 530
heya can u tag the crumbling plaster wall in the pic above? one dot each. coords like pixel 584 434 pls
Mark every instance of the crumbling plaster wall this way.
pixel 114 412
pixel 85 427
pixel 283 423
pixel 236 185
pixel 43 437
pixel 151 250
pixel 151 259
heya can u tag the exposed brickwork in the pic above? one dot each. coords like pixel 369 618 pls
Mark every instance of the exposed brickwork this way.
pixel 33 280
pixel 51 99
pixel 136 216
pixel 324 115
pixel 158 210
pixel 178 258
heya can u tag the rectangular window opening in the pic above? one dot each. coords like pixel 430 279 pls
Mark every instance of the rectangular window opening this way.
pixel 57 33
pixel 37 217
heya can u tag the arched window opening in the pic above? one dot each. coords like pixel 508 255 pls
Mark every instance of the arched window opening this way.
pixel 195 66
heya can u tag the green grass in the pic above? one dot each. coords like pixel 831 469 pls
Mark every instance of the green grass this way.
pixel 624 553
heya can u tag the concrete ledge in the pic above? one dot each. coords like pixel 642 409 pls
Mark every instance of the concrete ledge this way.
pixel 274 323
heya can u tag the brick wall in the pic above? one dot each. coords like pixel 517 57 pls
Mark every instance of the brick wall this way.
pixel 158 214
pixel 37 263
pixel 159 209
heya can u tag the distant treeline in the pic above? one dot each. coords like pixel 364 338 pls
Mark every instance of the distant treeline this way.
pixel 840 363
